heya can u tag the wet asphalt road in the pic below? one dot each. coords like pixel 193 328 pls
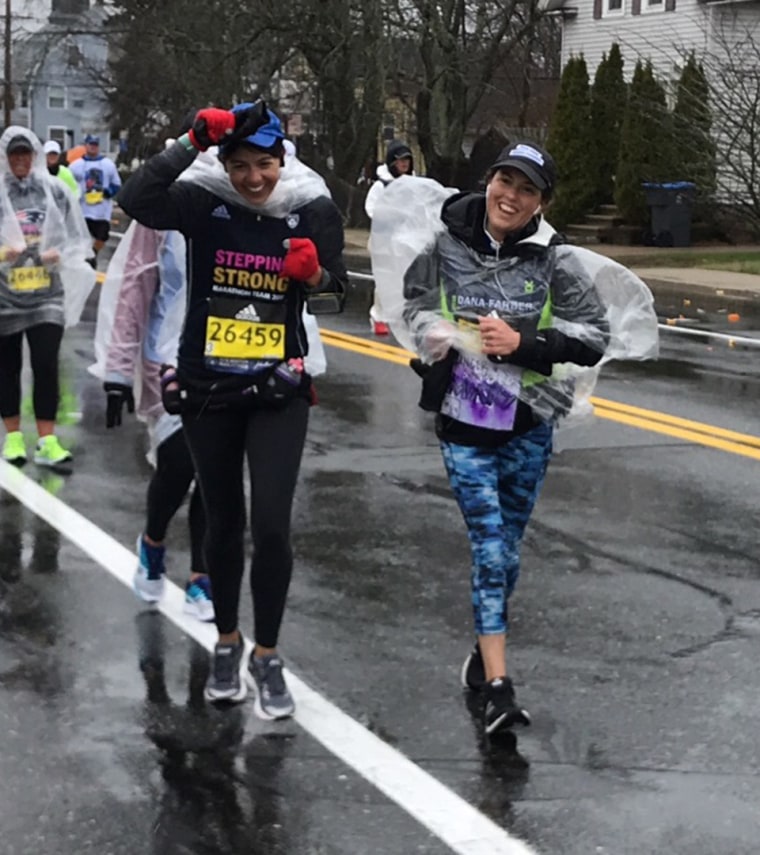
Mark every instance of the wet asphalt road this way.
pixel 634 639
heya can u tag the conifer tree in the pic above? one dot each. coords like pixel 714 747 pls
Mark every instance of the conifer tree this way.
pixel 646 153
pixel 569 142
pixel 608 98
pixel 692 125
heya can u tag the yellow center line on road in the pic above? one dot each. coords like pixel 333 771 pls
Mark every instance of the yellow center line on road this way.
pixel 677 422
pixel 699 433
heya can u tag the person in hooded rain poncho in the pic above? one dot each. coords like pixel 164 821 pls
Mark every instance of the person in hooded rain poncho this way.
pixel 510 326
pixel 44 284
pixel 140 312
pixel 262 238
pixel 398 161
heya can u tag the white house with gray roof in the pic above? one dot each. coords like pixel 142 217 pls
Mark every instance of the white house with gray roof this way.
pixel 662 31
pixel 58 75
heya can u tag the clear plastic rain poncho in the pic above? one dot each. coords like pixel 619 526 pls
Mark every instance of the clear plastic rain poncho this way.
pixel 417 265
pixel 41 219
pixel 140 315
pixel 297 185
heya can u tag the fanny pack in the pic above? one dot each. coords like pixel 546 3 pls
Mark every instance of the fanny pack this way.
pixel 275 387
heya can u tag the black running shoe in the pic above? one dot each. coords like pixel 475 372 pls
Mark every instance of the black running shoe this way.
pixel 501 711
pixel 473 674
pixel 224 683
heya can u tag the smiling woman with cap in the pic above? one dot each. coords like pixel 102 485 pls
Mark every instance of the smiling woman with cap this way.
pixel 504 319
pixel 262 238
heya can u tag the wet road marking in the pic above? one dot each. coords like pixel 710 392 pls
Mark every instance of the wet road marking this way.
pixel 699 433
pixel 445 814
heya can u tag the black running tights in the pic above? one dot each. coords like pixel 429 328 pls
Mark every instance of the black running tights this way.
pixel 168 487
pixel 272 440
pixel 44 345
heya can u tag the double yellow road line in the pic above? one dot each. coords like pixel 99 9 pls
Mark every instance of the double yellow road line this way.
pixel 638 417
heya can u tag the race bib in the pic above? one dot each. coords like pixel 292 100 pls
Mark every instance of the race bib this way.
pixel 93 197
pixel 28 278
pixel 244 335
pixel 229 338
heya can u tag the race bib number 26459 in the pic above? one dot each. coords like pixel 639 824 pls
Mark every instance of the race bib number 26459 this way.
pixel 230 338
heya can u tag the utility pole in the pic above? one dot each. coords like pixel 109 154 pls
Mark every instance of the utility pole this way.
pixel 7 90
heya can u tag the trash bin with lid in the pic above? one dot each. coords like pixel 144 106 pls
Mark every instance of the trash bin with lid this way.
pixel 670 204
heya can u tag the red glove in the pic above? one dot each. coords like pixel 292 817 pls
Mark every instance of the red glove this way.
pixel 210 127
pixel 301 260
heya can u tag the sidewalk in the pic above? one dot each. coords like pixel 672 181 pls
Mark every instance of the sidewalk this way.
pixel 666 282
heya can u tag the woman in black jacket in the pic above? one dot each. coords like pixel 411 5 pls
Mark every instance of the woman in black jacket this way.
pixel 492 307
pixel 262 237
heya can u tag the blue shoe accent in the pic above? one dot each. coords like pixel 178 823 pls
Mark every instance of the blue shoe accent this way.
pixel 151 560
pixel 148 580
pixel 198 601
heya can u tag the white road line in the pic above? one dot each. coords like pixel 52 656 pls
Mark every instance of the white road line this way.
pixel 463 828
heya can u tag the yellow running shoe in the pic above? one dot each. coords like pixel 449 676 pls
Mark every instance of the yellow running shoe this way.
pixel 14 450
pixel 50 452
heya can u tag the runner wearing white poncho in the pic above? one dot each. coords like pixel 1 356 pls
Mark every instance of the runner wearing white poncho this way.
pixel 511 327
pixel 408 224
pixel 44 283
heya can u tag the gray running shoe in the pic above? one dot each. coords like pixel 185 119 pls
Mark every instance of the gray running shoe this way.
pixel 224 683
pixel 273 700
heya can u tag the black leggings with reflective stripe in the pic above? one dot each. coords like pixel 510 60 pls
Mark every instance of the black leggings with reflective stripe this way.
pixel 272 440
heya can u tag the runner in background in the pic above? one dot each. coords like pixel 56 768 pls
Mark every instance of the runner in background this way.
pixel 398 162
pixel 98 181
pixel 140 311
pixel 44 284
pixel 55 167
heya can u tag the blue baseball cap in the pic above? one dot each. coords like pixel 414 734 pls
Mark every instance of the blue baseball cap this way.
pixel 265 136
pixel 91 139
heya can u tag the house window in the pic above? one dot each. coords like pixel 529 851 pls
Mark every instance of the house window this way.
pixel 653 6
pixel 389 130
pixel 74 58
pixel 57 134
pixel 56 97
pixel 613 7
pixel 78 103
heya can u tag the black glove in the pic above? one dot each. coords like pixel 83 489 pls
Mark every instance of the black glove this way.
pixel 118 395
pixel 171 396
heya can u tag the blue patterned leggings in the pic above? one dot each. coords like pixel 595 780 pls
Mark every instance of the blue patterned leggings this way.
pixel 496 489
